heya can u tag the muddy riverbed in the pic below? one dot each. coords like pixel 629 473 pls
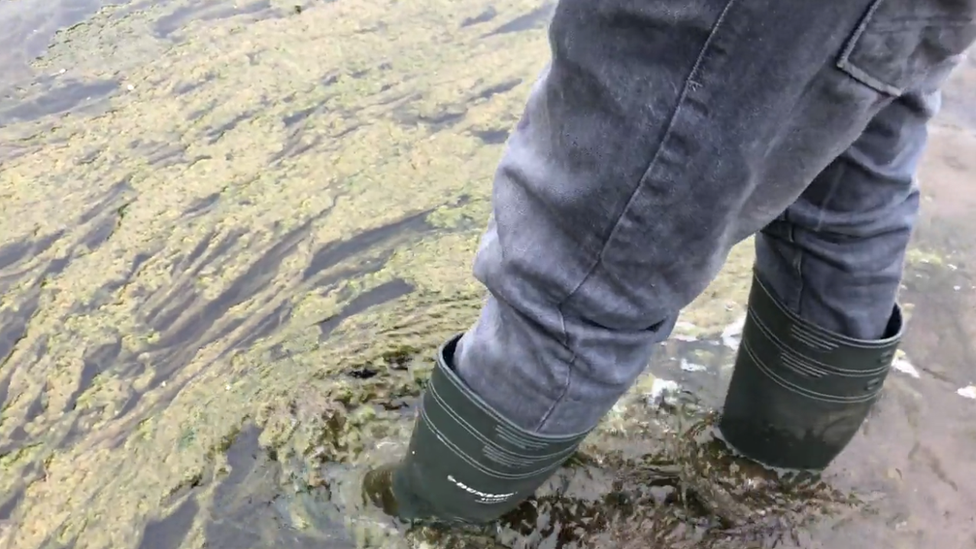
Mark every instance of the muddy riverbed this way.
pixel 233 233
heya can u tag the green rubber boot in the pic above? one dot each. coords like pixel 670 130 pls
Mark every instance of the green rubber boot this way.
pixel 465 462
pixel 799 393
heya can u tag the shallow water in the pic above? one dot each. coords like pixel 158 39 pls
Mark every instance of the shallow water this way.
pixel 232 233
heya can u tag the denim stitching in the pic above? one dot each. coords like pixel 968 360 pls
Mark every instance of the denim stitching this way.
pixel 689 84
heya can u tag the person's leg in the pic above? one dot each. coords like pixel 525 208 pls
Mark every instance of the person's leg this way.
pixel 823 324
pixel 835 256
pixel 661 134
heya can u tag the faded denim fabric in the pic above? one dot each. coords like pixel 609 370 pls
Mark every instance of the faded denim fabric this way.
pixel 662 133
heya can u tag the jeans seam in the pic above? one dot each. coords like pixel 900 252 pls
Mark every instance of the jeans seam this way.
pixel 569 374
pixel 688 85
pixel 558 400
pixel 799 268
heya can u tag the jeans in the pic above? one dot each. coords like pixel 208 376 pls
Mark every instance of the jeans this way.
pixel 663 132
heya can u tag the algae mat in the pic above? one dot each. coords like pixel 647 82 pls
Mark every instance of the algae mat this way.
pixel 232 234
pixel 231 230
pixel 183 251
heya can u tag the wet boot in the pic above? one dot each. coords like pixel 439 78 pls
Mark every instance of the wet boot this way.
pixel 799 392
pixel 465 463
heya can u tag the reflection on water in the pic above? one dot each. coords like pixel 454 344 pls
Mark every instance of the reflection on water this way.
pixel 232 234
pixel 28 27
pixel 62 97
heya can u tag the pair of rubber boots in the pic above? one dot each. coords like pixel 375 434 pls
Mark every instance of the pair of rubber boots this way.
pixel 798 395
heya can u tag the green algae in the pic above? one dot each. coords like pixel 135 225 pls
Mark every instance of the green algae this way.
pixel 918 256
pixel 219 223
pixel 223 280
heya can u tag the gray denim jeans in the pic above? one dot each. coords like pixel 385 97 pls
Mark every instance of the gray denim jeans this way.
pixel 662 133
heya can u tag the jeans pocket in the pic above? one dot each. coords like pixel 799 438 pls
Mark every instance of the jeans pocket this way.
pixel 898 42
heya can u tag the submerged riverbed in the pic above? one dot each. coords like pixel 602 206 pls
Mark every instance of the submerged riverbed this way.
pixel 232 234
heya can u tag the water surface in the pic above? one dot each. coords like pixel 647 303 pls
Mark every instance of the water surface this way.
pixel 232 234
